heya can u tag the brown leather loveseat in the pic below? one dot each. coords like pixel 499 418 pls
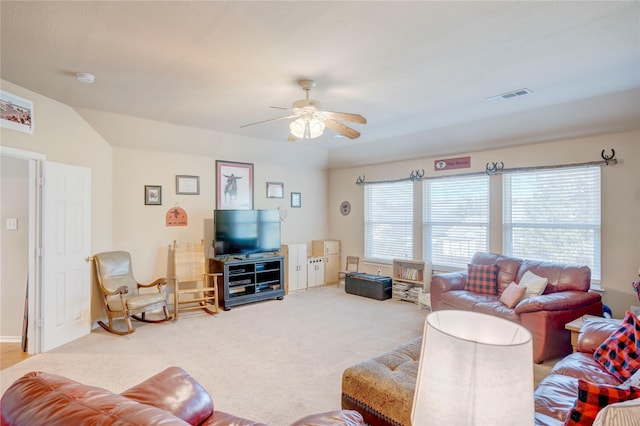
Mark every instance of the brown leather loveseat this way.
pixel 565 298
pixel 171 397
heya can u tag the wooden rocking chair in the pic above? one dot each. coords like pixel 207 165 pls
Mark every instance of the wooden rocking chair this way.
pixel 193 280
pixel 121 292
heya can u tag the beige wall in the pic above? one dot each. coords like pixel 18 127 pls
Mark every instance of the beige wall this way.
pixel 620 201
pixel 141 229
pixel 120 220
pixel 65 137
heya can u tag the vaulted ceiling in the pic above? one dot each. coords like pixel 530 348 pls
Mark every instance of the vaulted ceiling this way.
pixel 420 72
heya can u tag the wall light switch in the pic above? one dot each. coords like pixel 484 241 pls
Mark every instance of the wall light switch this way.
pixel 12 224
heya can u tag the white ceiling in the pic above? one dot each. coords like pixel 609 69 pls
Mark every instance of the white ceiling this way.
pixel 420 72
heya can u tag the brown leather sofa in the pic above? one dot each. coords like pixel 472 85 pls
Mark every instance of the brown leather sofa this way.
pixel 565 298
pixel 171 397
pixel 556 394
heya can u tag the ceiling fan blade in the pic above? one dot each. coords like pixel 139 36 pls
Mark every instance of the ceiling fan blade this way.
pixel 342 129
pixel 292 138
pixel 345 116
pixel 275 107
pixel 271 119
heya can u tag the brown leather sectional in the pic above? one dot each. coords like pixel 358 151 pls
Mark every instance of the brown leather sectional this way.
pixel 171 397
pixel 565 298
pixel 555 394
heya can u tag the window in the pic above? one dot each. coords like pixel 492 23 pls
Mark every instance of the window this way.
pixel 455 219
pixel 554 215
pixel 388 221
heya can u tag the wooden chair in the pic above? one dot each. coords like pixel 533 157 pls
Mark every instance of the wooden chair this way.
pixel 121 294
pixel 352 266
pixel 193 280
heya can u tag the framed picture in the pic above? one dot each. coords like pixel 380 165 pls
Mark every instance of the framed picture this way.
pixel 296 199
pixel 16 113
pixel 275 190
pixel 234 185
pixel 152 195
pixel 189 185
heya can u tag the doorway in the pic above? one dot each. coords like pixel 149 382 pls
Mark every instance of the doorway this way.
pixel 55 216
pixel 21 236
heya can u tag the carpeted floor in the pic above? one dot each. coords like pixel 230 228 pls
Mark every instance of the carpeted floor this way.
pixel 272 361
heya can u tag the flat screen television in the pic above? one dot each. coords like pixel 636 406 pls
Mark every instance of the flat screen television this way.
pixel 246 232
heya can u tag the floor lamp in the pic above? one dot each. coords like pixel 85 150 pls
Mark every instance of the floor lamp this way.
pixel 475 369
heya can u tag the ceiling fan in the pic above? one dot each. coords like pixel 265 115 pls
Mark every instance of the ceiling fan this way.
pixel 311 121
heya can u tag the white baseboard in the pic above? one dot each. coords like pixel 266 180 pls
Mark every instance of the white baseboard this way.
pixel 10 339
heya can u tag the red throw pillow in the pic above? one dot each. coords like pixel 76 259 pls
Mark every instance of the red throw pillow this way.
pixel 620 353
pixel 482 279
pixel 592 398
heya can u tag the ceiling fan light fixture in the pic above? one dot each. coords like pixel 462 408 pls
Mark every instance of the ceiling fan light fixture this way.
pixel 307 128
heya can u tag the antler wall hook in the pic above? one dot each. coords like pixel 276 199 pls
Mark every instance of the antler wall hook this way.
pixel 360 180
pixel 416 174
pixel 608 158
pixel 493 168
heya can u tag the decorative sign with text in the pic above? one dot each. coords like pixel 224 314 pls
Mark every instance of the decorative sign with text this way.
pixel 452 163
pixel 176 216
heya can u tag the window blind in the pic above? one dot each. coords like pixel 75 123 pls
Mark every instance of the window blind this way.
pixel 455 219
pixel 554 215
pixel 388 221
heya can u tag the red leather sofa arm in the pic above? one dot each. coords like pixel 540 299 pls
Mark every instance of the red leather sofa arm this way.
pixel 175 391
pixel 449 281
pixel 561 301
pixel 332 418
pixel 441 283
pixel 594 331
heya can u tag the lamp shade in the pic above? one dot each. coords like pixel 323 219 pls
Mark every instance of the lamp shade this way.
pixel 475 369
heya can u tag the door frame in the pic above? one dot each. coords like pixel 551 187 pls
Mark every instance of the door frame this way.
pixel 34 281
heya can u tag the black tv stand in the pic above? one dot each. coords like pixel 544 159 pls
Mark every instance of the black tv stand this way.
pixel 249 280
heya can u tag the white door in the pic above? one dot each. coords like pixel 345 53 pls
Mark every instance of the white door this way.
pixel 66 284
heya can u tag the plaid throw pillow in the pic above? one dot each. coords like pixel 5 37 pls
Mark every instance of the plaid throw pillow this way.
pixel 482 279
pixel 620 353
pixel 592 398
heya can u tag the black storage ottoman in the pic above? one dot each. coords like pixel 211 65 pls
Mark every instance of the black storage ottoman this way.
pixel 367 285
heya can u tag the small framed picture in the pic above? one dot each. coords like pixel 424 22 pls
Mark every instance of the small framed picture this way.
pixel 188 185
pixel 296 199
pixel 153 195
pixel 275 190
pixel 17 113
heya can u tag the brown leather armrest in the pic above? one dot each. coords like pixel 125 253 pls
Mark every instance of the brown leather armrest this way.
pixel 449 281
pixel 175 391
pixel 332 418
pixel 561 301
pixel 594 331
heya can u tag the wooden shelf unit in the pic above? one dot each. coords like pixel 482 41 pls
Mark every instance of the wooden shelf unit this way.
pixel 408 279
pixel 249 280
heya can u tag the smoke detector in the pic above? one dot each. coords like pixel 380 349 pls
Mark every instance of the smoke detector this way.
pixel 85 77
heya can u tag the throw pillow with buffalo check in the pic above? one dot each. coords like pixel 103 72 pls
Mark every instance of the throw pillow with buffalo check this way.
pixel 620 353
pixel 593 397
pixel 482 279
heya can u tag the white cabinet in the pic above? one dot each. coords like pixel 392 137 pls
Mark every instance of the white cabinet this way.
pixel 330 250
pixel 295 266
pixel 315 271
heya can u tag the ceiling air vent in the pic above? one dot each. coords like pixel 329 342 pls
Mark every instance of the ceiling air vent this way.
pixel 510 95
